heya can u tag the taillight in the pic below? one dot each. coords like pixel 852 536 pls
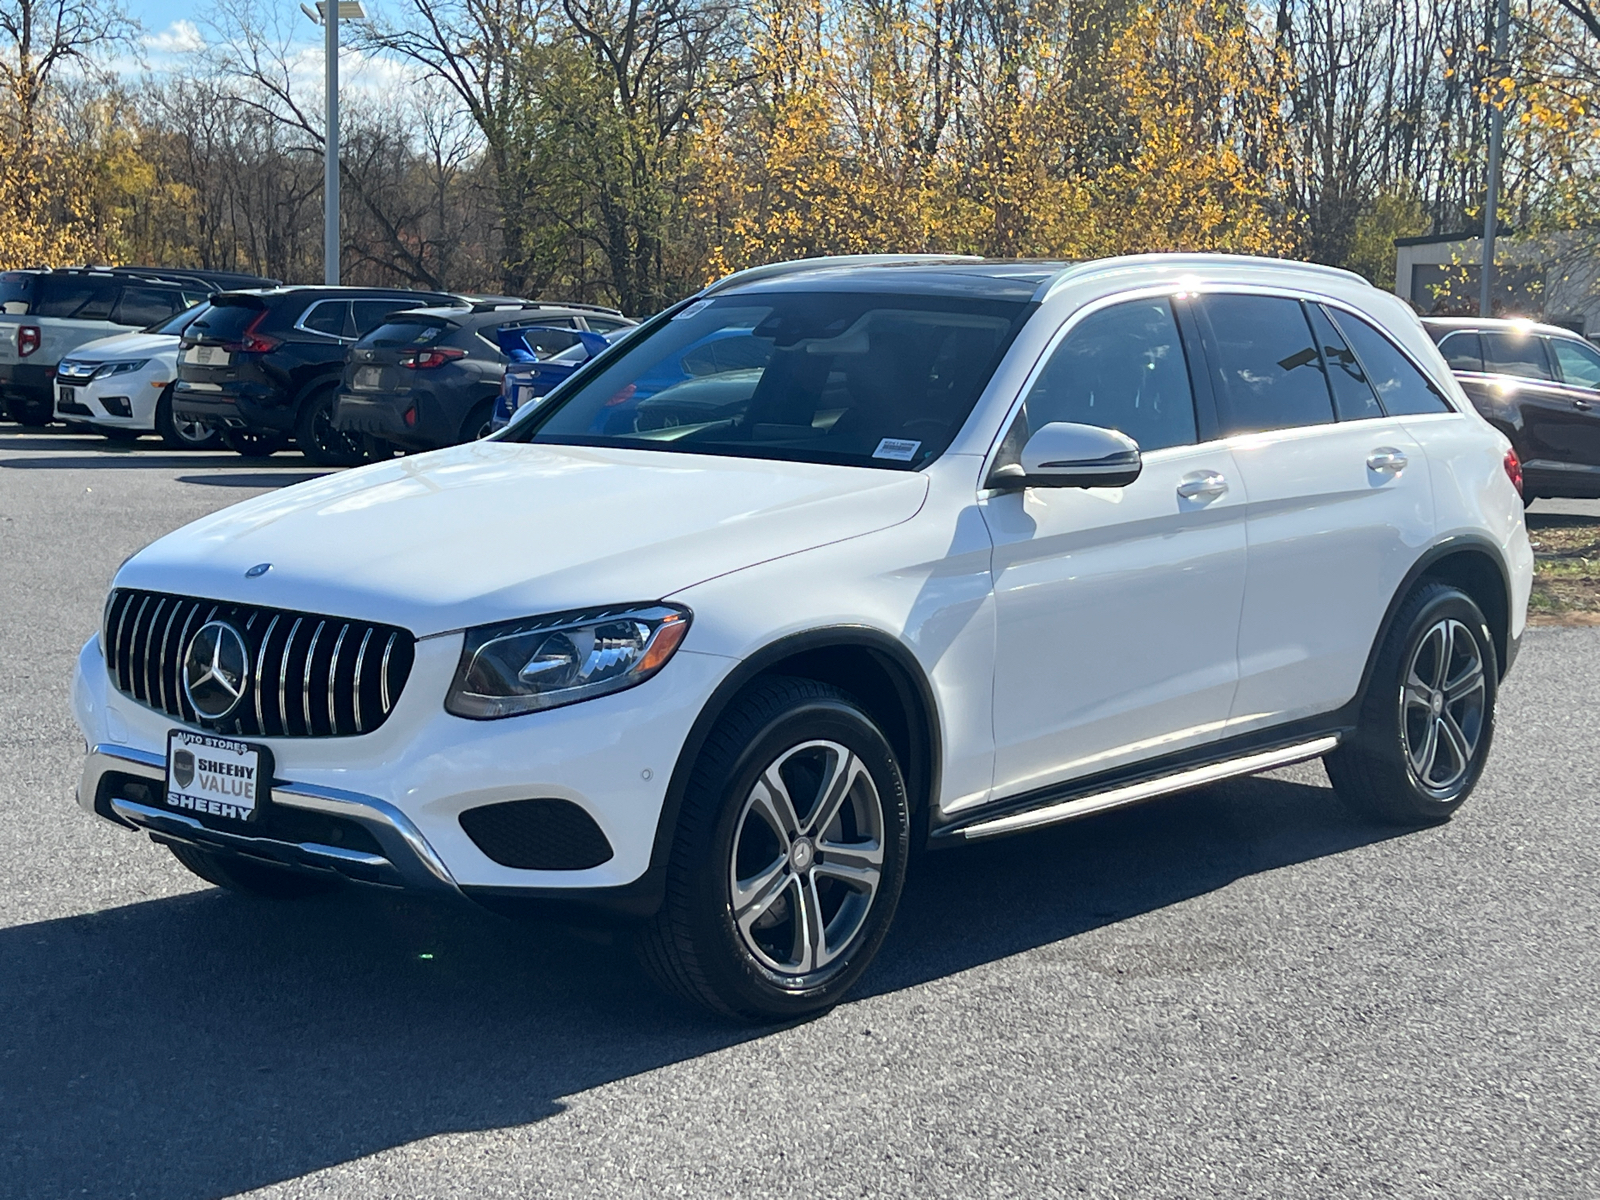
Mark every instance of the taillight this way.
pixel 424 360
pixel 251 342
pixel 1513 466
pixel 28 339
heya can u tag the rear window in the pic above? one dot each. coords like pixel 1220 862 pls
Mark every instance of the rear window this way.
pixel 16 293
pixel 226 319
pixel 78 297
pixel 179 323
pixel 391 335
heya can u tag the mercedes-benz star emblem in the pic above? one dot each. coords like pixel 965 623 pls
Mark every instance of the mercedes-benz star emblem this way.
pixel 216 669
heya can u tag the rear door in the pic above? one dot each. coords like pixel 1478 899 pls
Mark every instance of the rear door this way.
pixel 1578 365
pixel 1339 501
pixel 1524 378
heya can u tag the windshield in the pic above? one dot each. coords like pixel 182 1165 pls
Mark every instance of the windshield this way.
pixel 178 323
pixel 832 377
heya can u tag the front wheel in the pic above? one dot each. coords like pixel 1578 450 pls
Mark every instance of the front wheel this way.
pixel 788 859
pixel 1428 718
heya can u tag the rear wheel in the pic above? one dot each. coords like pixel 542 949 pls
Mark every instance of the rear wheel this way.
pixel 1428 718
pixel 183 433
pixel 788 859
pixel 252 444
pixel 479 423
pixel 319 441
pixel 251 878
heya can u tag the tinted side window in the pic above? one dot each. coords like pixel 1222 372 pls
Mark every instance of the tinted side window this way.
pixel 1120 368
pixel 1580 364
pixel 1516 354
pixel 143 306
pixel 327 316
pixel 369 314
pixel 1404 390
pixel 1353 397
pixel 1462 351
pixel 605 324
pixel 1269 368
pixel 79 296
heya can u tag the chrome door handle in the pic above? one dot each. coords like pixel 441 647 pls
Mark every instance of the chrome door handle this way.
pixel 1202 485
pixel 1584 405
pixel 1386 459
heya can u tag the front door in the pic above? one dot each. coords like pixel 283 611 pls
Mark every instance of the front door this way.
pixel 1578 365
pixel 1117 608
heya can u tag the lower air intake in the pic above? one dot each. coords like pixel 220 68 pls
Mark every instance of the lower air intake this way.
pixel 537 835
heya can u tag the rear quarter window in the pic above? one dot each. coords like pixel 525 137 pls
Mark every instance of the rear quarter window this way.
pixel 16 293
pixel 1403 389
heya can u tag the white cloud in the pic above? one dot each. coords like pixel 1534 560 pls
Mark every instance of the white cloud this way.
pixel 181 37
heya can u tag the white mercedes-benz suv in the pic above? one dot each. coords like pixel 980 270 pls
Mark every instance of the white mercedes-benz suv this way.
pixel 832 562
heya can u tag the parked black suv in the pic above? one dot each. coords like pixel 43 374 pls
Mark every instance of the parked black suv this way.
pixel 264 365
pixel 1540 386
pixel 45 314
pixel 429 377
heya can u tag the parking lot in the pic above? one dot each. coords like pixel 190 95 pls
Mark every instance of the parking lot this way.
pixel 1244 992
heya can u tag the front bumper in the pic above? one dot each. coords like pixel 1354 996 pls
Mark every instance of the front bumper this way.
pixel 123 785
pixel 407 782
pixel 139 391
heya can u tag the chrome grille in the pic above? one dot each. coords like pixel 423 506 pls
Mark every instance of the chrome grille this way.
pixel 310 675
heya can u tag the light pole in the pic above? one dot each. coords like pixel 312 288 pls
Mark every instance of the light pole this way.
pixel 329 17
pixel 1497 127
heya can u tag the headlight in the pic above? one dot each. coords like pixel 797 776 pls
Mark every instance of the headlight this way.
pixel 545 662
pixel 119 368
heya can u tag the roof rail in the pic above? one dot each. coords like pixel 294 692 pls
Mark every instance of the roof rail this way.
pixel 775 270
pixel 486 304
pixel 1192 261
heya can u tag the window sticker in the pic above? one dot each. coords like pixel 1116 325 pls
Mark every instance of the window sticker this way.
pixel 897 449
pixel 697 306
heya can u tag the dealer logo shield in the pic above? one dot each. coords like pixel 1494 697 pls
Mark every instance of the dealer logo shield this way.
pixel 216 670
pixel 183 768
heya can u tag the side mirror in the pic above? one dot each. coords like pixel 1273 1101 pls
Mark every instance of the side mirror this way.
pixel 1063 454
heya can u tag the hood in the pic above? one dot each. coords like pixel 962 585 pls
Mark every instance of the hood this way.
pixel 494 531
pixel 124 345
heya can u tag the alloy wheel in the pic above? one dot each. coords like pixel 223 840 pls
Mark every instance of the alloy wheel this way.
pixel 191 431
pixel 1442 705
pixel 807 858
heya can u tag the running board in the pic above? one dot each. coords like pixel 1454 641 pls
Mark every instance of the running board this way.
pixel 1133 793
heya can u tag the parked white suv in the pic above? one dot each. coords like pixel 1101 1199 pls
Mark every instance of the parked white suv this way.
pixel 975 547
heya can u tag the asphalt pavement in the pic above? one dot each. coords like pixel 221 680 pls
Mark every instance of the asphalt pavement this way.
pixel 1245 992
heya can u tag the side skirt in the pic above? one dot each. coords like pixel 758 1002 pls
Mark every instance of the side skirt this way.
pixel 1083 797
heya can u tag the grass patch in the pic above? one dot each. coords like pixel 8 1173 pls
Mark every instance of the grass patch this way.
pixel 1566 569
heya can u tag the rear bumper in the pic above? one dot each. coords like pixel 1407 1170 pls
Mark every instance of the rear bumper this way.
pixel 233 409
pixel 28 383
pixel 384 415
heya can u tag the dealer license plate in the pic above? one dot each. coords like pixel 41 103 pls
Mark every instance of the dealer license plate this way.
pixel 368 379
pixel 206 356
pixel 216 777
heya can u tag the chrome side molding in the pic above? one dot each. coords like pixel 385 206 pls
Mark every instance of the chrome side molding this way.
pixel 1133 793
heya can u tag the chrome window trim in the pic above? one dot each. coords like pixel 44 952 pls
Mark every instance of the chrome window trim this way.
pixel 300 322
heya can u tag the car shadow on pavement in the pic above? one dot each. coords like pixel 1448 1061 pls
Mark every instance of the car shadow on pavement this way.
pixel 205 1044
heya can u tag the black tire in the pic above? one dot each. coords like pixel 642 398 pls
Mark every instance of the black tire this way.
pixel 319 441
pixel 696 946
pixel 252 444
pixel 252 878
pixel 1423 687
pixel 183 435
pixel 34 414
pixel 479 422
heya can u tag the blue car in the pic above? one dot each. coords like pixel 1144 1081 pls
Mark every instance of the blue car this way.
pixel 529 377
